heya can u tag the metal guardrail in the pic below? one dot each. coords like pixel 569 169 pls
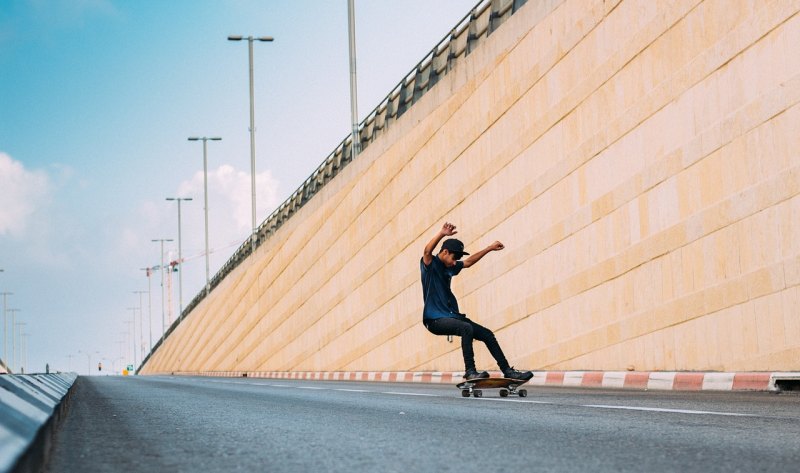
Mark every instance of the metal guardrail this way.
pixel 485 18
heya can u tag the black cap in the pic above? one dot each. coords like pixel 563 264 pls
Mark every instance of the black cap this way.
pixel 454 246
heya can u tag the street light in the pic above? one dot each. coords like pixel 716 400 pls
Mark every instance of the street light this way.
pixel 355 145
pixel 121 344
pixel 133 338
pixel 132 325
pixel 24 351
pixel 88 360
pixel 250 40
pixel 141 321
pixel 18 334
pixel 5 327
pixel 180 256
pixel 149 305
pixel 163 321
pixel 13 349
pixel 205 196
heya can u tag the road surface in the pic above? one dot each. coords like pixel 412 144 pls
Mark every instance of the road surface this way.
pixel 155 424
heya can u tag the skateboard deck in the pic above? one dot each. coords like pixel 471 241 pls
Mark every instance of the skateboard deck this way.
pixel 507 386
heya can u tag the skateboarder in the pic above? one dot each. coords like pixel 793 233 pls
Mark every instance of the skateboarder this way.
pixel 441 316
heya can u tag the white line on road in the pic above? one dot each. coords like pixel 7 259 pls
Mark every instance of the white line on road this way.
pixel 672 411
pixel 527 401
pixel 409 394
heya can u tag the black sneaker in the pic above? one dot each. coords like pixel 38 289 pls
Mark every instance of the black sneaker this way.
pixel 474 374
pixel 511 373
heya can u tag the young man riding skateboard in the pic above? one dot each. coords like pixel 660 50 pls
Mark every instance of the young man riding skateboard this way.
pixel 441 316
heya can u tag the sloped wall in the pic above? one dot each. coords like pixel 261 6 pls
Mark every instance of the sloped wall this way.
pixel 640 160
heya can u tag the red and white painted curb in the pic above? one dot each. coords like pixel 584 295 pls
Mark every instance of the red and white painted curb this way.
pixel 655 380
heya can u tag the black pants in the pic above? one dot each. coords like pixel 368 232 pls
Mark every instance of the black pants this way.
pixel 468 330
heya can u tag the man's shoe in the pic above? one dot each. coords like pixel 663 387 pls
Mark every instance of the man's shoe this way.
pixel 474 374
pixel 514 374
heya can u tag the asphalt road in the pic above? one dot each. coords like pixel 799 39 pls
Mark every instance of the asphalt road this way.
pixel 164 424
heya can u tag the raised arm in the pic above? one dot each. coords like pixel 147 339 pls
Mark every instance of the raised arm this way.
pixel 474 258
pixel 448 229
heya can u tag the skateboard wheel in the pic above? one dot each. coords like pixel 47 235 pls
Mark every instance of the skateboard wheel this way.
pixel 465 393
pixel 504 393
pixel 523 393
pixel 477 393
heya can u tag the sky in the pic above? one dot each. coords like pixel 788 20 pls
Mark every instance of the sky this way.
pixel 97 100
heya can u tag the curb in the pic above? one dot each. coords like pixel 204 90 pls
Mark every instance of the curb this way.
pixel 641 380
pixel 30 406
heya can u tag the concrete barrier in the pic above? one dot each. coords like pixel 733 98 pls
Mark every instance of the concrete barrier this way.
pixel 30 405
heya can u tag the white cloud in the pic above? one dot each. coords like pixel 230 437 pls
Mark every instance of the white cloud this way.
pixel 229 221
pixel 229 200
pixel 22 193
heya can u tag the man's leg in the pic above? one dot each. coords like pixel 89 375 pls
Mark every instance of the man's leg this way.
pixel 487 336
pixel 460 328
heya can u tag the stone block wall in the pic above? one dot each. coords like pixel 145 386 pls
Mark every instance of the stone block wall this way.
pixel 639 159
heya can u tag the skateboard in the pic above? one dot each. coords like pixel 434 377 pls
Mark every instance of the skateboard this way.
pixel 507 386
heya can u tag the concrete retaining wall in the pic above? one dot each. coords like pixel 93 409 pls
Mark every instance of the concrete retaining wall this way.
pixel 28 406
pixel 638 158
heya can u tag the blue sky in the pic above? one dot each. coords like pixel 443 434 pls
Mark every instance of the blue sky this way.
pixel 97 98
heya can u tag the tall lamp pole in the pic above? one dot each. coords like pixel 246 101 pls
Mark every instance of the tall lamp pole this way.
pixel 355 145
pixel 180 256
pixel 250 40
pixel 13 346
pixel 17 334
pixel 133 338
pixel 24 350
pixel 5 326
pixel 141 321
pixel 163 320
pixel 149 305
pixel 205 197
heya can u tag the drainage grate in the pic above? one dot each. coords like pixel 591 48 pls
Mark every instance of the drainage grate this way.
pixel 787 384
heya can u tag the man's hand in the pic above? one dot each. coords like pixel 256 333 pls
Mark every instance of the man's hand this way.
pixel 496 246
pixel 448 229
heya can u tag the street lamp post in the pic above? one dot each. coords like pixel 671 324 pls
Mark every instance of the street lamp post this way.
pixel 17 332
pixel 250 40
pixel 133 338
pixel 141 322
pixel 163 320
pixel 355 145
pixel 5 326
pixel 180 257
pixel 13 349
pixel 121 344
pixel 24 351
pixel 205 197
pixel 149 305
pixel 130 325
pixel 88 361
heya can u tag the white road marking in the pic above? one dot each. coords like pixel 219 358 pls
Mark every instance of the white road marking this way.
pixel 671 411
pixel 408 394
pixel 527 401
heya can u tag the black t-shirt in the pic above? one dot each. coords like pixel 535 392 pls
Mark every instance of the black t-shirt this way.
pixel 439 299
